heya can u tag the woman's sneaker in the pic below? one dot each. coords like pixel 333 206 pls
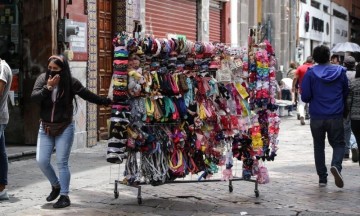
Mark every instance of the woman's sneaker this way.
pixel 54 194
pixel 63 202
pixel 354 154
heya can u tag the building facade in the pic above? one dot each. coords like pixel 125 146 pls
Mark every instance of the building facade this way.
pixel 314 26
pixel 39 33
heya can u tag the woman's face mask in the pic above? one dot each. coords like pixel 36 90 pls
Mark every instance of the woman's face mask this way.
pixel 54 69
pixel 53 73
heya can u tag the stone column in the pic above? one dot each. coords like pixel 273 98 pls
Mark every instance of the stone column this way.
pixel 243 22
pixel 203 20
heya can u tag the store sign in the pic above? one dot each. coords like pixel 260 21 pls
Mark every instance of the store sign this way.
pixel 78 43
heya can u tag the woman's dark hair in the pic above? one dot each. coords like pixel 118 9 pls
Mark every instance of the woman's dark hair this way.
pixel 293 65
pixel 321 54
pixel 65 85
pixel 357 69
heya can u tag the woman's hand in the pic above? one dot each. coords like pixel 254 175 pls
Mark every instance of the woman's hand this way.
pixel 106 101
pixel 53 81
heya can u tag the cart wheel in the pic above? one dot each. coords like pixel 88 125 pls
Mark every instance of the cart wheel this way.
pixel 231 188
pixel 298 116
pixel 256 193
pixel 139 200
pixel 116 194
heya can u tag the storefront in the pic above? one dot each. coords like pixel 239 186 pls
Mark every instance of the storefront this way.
pixel 26 40
pixel 215 21
pixel 9 46
pixel 28 36
pixel 171 17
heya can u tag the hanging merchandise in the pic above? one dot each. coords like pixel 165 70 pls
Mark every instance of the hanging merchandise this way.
pixel 184 107
pixel 120 112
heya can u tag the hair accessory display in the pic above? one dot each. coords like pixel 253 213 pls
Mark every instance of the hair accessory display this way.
pixel 192 107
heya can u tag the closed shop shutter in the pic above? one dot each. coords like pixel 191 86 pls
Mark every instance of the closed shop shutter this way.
pixel 171 16
pixel 215 22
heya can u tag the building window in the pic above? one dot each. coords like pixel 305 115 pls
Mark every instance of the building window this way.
pixel 325 9
pixel 354 34
pixel 339 14
pixel 317 24
pixel 315 4
pixel 344 33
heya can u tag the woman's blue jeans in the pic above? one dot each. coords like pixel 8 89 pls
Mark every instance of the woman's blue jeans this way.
pixel 334 129
pixel 3 157
pixel 62 144
pixel 350 141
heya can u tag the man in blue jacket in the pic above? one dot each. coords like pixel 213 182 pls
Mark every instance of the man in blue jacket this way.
pixel 325 87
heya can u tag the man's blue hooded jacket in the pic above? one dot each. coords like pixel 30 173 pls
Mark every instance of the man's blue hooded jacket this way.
pixel 325 87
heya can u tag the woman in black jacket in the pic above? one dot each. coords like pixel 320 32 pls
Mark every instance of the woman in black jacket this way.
pixel 55 92
pixel 353 101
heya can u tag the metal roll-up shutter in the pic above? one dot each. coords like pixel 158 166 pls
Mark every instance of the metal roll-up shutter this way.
pixel 215 21
pixel 171 16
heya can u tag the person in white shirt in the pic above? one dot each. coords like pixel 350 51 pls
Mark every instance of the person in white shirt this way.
pixel 286 94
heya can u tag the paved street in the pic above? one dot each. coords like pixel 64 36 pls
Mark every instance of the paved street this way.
pixel 293 189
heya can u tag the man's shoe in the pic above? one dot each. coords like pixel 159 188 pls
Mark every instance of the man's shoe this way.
pixel 290 114
pixel 54 194
pixel 337 176
pixel 4 195
pixel 354 154
pixel 322 183
pixel 63 202
pixel 302 120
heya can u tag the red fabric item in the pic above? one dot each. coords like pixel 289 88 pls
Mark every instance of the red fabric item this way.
pixel 300 72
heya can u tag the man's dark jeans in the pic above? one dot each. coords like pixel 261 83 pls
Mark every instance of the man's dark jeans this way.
pixel 334 129
pixel 286 95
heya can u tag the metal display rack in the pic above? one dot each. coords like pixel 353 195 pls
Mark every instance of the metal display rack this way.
pixel 138 186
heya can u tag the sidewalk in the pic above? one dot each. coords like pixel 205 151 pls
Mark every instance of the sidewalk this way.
pixel 18 151
pixel 293 189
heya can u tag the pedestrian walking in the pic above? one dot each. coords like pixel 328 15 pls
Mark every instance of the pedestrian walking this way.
pixel 299 75
pixel 325 87
pixel 335 60
pixel 350 142
pixel 292 69
pixel 286 94
pixel 5 83
pixel 55 92
pixel 353 102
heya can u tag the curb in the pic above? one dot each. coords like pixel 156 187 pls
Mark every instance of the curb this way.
pixel 22 154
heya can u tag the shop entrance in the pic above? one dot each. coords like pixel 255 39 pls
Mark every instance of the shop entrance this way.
pixel 10 52
pixel 104 32
pixel 30 35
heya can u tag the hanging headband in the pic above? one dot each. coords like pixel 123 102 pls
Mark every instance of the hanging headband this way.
pixel 56 57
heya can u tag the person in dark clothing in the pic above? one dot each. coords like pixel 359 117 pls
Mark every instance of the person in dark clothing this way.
pixel 325 87
pixel 350 142
pixel 353 101
pixel 55 92
pixel 11 56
